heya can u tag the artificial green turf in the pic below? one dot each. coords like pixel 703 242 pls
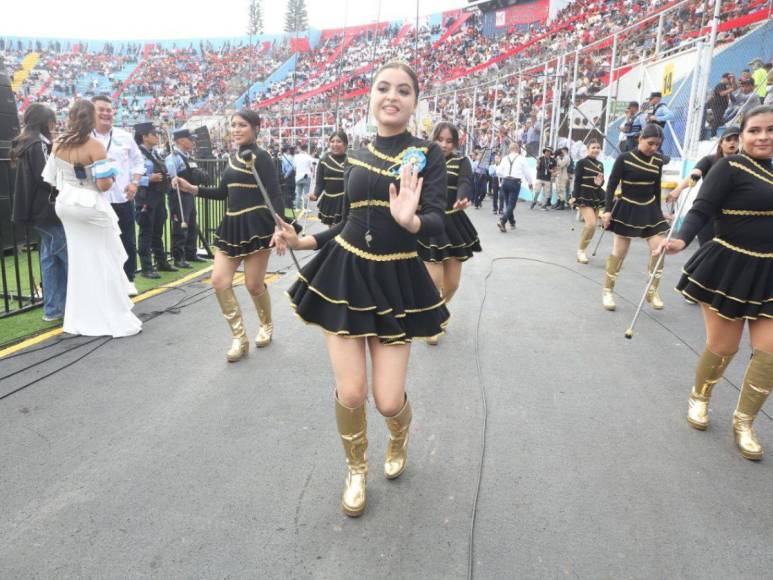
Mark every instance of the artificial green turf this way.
pixel 19 326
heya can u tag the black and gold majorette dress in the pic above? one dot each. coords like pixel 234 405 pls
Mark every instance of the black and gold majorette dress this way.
pixel 637 213
pixel 733 273
pixel 366 278
pixel 459 238
pixel 586 193
pixel 247 225
pixel 329 188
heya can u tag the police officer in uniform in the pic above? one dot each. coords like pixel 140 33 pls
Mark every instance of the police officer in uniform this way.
pixel 180 162
pixel 149 203
pixel 631 128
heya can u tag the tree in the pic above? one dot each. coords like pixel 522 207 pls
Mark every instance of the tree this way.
pixel 254 17
pixel 296 18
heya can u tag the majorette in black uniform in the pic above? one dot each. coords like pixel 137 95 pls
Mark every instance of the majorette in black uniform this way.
pixel 247 225
pixel 635 214
pixel 367 278
pixel 329 188
pixel 246 228
pixel 587 194
pixel 733 275
pixel 459 238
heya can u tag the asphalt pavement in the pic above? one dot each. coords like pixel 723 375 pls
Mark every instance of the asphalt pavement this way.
pixel 152 457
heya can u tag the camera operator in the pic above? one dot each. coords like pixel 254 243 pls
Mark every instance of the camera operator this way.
pixel 180 162
pixel 149 203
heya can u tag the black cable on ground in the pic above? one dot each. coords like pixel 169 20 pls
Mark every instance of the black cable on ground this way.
pixel 481 382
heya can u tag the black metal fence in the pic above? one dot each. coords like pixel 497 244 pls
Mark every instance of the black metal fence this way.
pixel 20 261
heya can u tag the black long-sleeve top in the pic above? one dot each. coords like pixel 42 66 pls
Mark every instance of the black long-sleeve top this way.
pixel 368 174
pixel 544 167
pixel 238 185
pixel 585 173
pixel 459 170
pixel 33 198
pixel 330 175
pixel 738 190
pixel 638 175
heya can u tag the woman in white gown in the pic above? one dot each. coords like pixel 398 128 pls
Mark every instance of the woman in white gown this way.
pixel 98 301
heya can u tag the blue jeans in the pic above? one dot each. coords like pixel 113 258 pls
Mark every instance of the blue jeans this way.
pixel 53 268
pixel 301 190
pixel 511 188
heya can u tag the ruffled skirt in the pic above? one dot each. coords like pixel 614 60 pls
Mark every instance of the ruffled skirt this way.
pixel 592 199
pixel 736 285
pixel 348 295
pixel 459 240
pixel 635 219
pixel 241 234
pixel 330 208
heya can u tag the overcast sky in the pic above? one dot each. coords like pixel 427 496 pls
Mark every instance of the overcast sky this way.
pixel 149 19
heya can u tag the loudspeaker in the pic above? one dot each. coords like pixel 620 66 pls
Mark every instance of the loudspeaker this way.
pixel 203 143
pixel 9 129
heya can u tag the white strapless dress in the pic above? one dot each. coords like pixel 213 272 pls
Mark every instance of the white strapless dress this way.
pixel 98 301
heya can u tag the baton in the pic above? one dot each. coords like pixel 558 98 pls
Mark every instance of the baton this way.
pixel 604 230
pixel 249 160
pixel 183 223
pixel 661 256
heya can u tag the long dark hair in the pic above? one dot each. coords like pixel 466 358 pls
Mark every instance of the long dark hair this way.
pixel 341 135
pixel 80 123
pixel 443 126
pixel 756 111
pixel 35 123
pixel 252 118
pixel 735 134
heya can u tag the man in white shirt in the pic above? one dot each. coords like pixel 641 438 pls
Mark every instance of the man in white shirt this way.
pixel 302 162
pixel 122 149
pixel 512 171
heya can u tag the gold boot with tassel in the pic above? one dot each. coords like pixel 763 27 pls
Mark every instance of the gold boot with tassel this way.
pixel 397 449
pixel 229 305
pixel 352 428
pixel 585 238
pixel 652 294
pixel 757 383
pixel 708 372
pixel 613 268
pixel 263 306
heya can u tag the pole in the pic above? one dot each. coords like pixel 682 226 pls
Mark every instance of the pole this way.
pixel 556 117
pixel 456 107
pixel 612 61
pixel 659 39
pixel 494 113
pixel 471 133
pixel 544 108
pixel 340 60
pixel 518 102
pixel 574 91
pixel 372 62
pixel 416 38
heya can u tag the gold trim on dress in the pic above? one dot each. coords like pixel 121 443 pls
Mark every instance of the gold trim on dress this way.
pixel 366 203
pixel 650 162
pixel 629 200
pixel 255 237
pixel 333 169
pixel 625 181
pixel 375 257
pixel 637 166
pixel 232 166
pixel 384 172
pixel 757 165
pixel 741 250
pixel 245 185
pixel 749 212
pixel 640 227
pixel 750 171
pixel 326 194
pixel 718 313
pixel 399 158
pixel 453 246
pixel 245 210
pixel 728 296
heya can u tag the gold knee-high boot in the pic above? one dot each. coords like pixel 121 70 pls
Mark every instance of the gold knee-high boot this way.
pixel 708 372
pixel 263 306
pixel 352 428
pixel 757 383
pixel 652 294
pixel 613 268
pixel 585 237
pixel 434 340
pixel 397 450
pixel 233 316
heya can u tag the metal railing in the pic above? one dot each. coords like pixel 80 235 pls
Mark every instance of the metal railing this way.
pixel 20 281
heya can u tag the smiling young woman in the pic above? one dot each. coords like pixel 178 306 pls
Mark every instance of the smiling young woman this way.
pixel 636 213
pixel 367 287
pixel 245 232
pixel 731 276
pixel 444 254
